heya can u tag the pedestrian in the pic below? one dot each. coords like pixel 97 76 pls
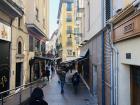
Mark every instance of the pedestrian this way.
pixel 47 73
pixel 76 81
pixel 43 74
pixel 52 71
pixel 62 80
pixel 37 97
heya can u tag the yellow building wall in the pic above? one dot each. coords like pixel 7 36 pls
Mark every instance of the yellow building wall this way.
pixel 63 31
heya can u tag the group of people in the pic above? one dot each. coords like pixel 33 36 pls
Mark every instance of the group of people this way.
pixel 46 73
pixel 75 80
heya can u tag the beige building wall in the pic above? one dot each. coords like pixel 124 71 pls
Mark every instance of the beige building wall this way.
pixel 128 46
pixel 93 20
pixel 20 33
pixel 43 13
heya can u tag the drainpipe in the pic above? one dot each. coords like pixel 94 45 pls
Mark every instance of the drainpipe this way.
pixel 103 72
pixel 114 70
pixel 103 68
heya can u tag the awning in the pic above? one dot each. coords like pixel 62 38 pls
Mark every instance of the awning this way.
pixel 57 58
pixel 84 53
pixel 43 58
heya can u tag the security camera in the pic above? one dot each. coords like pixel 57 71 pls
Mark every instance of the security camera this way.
pixel 136 3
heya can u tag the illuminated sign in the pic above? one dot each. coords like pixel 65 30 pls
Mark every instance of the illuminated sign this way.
pixel 5 32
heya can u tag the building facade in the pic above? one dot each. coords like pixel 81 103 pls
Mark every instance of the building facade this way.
pixel 18 21
pixel 126 38
pixel 52 44
pixel 66 30
pixel 9 11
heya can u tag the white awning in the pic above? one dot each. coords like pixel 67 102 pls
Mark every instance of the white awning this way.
pixel 83 53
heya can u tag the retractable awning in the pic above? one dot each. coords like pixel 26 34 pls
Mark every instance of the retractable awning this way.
pixel 43 58
pixel 84 53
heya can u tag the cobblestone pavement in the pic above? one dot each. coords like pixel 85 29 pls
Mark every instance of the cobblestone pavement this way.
pixel 54 97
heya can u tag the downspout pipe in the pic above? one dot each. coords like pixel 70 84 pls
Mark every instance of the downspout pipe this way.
pixel 103 66
pixel 103 72
pixel 114 69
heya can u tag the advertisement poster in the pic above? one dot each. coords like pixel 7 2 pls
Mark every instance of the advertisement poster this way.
pixel 5 32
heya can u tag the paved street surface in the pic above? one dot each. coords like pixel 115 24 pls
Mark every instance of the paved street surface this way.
pixel 54 97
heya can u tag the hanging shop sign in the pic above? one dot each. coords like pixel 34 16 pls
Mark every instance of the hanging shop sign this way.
pixel 5 32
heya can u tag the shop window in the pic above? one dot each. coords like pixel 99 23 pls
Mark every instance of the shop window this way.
pixel 19 48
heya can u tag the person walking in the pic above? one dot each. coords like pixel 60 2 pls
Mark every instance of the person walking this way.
pixel 52 71
pixel 62 80
pixel 37 97
pixel 47 73
pixel 76 81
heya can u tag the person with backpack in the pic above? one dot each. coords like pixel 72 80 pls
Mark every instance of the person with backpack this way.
pixel 37 97
pixel 76 81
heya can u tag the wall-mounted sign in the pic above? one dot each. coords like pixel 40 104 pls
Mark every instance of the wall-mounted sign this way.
pixel 129 28
pixel 5 32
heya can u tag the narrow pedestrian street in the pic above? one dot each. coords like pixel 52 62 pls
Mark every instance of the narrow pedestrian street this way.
pixel 54 97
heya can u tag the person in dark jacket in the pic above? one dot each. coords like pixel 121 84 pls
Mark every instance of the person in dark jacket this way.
pixel 37 97
pixel 62 80
pixel 47 73
pixel 76 81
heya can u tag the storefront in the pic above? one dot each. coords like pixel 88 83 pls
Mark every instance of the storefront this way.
pixel 5 40
pixel 126 37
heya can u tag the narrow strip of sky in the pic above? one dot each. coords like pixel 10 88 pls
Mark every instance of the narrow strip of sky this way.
pixel 54 4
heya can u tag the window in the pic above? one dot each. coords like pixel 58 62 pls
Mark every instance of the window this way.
pixel 69 52
pixel 88 15
pixel 43 23
pixel 19 22
pixel 19 48
pixel 108 12
pixel 69 29
pixel 37 14
pixel 69 41
pixel 77 40
pixel 69 18
pixel 76 30
pixel 31 47
pixel 73 53
pixel 37 45
pixel 69 6
pixel 43 47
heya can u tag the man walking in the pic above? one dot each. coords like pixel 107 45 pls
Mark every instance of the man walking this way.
pixel 62 80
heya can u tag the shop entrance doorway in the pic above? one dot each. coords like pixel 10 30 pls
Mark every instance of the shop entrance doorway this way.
pixel 135 85
pixel 18 74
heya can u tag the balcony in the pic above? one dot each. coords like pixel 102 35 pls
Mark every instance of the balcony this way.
pixel 36 31
pixel 38 53
pixel 11 8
